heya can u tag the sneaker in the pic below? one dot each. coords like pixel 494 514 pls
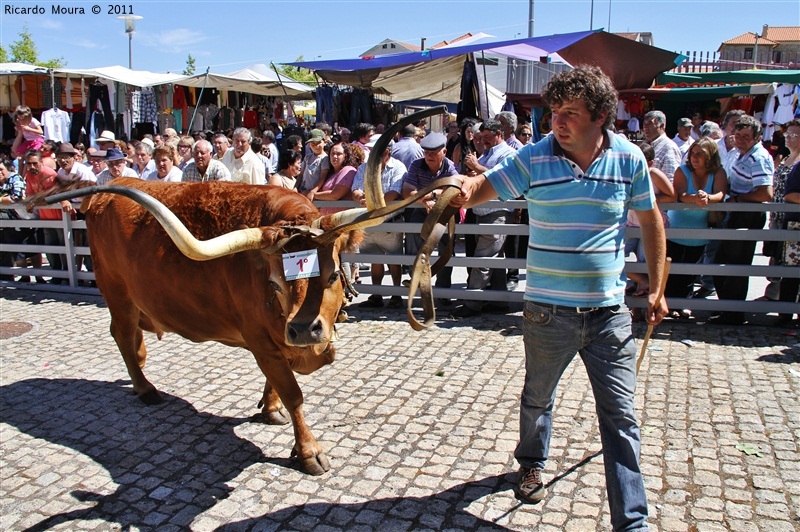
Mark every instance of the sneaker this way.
pixel 529 485
pixel 703 292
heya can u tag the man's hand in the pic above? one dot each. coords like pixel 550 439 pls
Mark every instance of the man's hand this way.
pixel 468 187
pixel 655 314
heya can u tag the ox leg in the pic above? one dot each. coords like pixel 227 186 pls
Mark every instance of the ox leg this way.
pixel 272 410
pixel 130 341
pixel 278 373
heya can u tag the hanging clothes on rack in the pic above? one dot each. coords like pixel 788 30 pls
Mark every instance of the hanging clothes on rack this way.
pixel 102 118
pixel 56 124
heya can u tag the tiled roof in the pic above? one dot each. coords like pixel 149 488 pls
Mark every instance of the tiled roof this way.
pixel 631 36
pixel 748 38
pixel 783 33
pixel 445 43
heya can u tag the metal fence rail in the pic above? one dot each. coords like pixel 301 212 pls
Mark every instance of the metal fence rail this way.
pixel 73 276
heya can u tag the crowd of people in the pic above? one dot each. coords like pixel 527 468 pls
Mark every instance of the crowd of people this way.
pixel 704 163
pixel 584 185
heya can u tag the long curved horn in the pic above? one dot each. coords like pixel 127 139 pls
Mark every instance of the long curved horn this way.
pixel 373 189
pixel 227 244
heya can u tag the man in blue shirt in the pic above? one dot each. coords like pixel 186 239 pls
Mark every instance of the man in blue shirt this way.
pixel 750 175
pixel 580 182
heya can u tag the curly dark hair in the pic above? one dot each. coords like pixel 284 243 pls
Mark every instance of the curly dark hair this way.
pixel 349 160
pixel 587 83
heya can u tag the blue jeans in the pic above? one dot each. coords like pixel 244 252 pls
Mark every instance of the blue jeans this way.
pixel 603 338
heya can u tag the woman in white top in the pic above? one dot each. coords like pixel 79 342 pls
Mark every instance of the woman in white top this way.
pixel 166 171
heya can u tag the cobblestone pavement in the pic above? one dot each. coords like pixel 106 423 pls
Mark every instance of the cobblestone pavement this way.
pixel 420 429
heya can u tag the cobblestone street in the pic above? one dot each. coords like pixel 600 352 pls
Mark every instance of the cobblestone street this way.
pixel 420 429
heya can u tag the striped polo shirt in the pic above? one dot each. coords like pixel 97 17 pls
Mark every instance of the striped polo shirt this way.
pixel 751 170
pixel 577 221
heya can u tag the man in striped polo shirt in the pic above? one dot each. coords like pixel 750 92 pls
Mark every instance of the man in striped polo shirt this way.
pixel 750 175
pixel 580 182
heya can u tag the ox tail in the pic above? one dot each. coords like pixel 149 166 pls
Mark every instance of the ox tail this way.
pixel 227 244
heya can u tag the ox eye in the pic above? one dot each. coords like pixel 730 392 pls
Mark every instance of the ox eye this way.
pixel 276 287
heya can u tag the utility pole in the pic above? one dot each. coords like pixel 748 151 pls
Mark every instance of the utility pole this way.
pixel 755 53
pixel 530 18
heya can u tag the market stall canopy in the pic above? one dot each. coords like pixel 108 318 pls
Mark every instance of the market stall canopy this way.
pixel 253 82
pixel 121 74
pixel 733 77
pixel 695 94
pixel 418 75
pixel 16 69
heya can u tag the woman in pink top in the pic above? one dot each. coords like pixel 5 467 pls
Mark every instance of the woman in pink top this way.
pixel 336 186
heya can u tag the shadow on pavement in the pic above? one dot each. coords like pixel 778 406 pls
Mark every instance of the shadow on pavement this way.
pixel 37 297
pixel 444 510
pixel 169 453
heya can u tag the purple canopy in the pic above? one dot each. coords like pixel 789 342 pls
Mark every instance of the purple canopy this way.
pixel 630 64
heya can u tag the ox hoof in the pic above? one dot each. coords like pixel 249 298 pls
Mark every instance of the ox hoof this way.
pixel 276 417
pixel 315 465
pixel 151 398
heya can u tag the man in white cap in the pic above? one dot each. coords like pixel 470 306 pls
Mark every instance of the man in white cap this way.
pixel 683 138
pixel 433 165
pixel 106 140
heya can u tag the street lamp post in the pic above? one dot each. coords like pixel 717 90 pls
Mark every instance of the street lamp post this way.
pixel 130 29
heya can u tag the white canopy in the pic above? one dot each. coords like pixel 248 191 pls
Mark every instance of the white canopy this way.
pixel 254 80
pixel 11 69
pixel 137 78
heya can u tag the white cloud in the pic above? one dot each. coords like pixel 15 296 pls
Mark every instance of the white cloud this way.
pixel 50 24
pixel 86 43
pixel 173 41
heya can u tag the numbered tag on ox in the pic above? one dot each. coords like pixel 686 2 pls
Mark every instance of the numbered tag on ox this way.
pixel 300 265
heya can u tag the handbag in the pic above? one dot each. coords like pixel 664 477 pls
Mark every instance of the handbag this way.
pixel 791 250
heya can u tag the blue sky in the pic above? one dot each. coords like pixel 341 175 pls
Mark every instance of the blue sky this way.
pixel 229 35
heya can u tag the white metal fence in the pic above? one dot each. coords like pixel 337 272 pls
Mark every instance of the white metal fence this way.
pixel 74 278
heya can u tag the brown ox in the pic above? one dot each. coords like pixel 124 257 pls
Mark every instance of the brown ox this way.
pixel 235 294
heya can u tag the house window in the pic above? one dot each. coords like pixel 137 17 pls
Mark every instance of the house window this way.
pixel 393 46
pixel 384 46
pixel 748 53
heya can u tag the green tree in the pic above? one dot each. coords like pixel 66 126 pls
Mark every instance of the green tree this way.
pixel 24 51
pixel 3 54
pixel 303 75
pixel 189 70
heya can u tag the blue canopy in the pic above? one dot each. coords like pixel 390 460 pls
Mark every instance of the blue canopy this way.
pixel 417 75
